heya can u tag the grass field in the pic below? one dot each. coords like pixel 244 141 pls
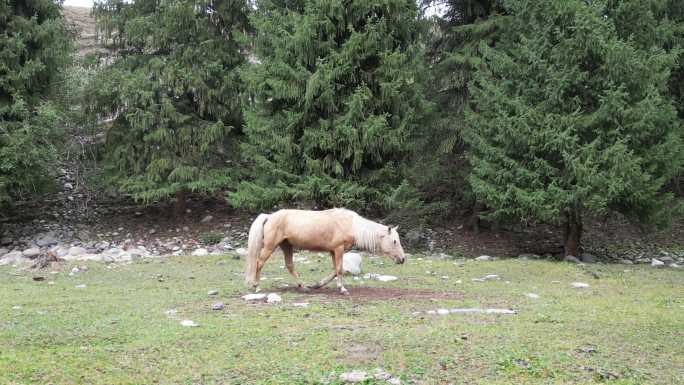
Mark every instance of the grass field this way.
pixel 626 328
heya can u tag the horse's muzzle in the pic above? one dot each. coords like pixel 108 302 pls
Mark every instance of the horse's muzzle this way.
pixel 400 261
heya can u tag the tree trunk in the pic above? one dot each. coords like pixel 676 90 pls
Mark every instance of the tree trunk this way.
pixel 573 233
pixel 179 206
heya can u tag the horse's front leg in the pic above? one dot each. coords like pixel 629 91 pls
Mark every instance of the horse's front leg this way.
pixel 326 280
pixel 339 253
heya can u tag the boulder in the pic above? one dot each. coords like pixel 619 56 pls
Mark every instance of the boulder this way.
pixel 31 252
pixel 351 263
pixel 484 258
pixel 588 258
pixel 76 251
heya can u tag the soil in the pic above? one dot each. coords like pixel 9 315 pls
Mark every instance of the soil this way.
pixel 368 294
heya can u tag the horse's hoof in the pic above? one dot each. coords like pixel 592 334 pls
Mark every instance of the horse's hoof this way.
pixel 344 291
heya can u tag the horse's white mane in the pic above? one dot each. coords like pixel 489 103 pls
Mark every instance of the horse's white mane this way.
pixel 366 233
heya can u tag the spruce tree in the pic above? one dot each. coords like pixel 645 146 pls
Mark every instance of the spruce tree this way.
pixel 570 119
pixel 334 100
pixel 35 49
pixel 174 92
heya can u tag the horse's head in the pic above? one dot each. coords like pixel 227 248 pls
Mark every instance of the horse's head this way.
pixel 391 246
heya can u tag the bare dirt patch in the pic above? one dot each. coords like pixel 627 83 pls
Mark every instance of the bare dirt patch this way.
pixel 368 294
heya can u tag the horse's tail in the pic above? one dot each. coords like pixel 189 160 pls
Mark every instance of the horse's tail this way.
pixel 254 246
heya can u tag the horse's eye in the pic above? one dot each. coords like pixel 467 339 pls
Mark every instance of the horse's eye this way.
pixel 395 241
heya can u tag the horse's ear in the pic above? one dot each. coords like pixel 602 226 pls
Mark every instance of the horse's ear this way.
pixel 396 228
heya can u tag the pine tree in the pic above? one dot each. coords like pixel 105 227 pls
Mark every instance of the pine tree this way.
pixel 334 100
pixel 35 49
pixel 174 92
pixel 441 167
pixel 570 119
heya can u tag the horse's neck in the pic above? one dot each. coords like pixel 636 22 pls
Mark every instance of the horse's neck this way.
pixel 366 234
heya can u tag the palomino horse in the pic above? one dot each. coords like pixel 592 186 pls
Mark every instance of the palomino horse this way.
pixel 334 231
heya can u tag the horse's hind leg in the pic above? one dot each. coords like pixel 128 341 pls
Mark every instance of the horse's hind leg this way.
pixel 263 257
pixel 288 253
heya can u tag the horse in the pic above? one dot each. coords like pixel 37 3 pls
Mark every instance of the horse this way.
pixel 335 231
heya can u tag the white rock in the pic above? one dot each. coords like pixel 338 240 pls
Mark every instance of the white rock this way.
pixel 657 263
pixel 351 263
pixel 394 381
pixel 68 186
pixel 207 219
pixel 188 323
pixel 31 252
pixel 212 292
pixel 484 258
pixel 442 311
pixel 81 286
pixel 11 258
pixel 254 297
pixel 241 251
pixel 355 376
pixel 532 295
pixel 200 253
pixel 386 278
pixel 579 285
pixel 273 298
pixel 75 251
pixel 300 304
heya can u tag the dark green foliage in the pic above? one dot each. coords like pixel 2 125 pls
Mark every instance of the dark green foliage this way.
pixel 334 102
pixel 35 48
pixel 174 91
pixel 569 117
pixel 440 167
pixel 211 238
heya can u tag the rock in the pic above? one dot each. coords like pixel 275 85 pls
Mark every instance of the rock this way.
pixel 442 311
pixel 394 381
pixel 351 263
pixel 6 241
pixel 579 285
pixel 212 292
pixel 273 298
pixel 217 306
pixel 529 256
pixel 667 260
pixel 68 186
pixel 241 251
pixel 102 245
pixel 254 297
pixel 380 374
pixel 31 252
pixel 571 258
pixel 488 277
pixel 47 239
pixel 588 258
pixel 76 251
pixel 300 304
pixel 675 266
pixel 207 219
pixel 74 271
pixel 188 323
pixel 353 377
pixel 532 295
pixel 60 251
pixel 484 258
pixel 3 252
pixel 386 278
pixel 12 258
pixel 200 252
pixel 626 262
pixel 657 263
pixel 81 286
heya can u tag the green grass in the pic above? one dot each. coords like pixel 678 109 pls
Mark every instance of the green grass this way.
pixel 116 330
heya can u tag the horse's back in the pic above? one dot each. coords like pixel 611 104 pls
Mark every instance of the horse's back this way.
pixel 314 230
